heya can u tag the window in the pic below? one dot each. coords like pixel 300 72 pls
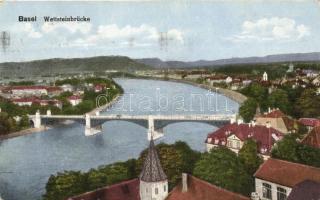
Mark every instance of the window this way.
pixel 146 190
pixel 229 144
pixel 281 193
pixel 266 191
pixel 238 145
pixel 164 188
pixel 156 191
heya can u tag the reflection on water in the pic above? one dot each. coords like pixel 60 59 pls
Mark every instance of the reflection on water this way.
pixel 33 158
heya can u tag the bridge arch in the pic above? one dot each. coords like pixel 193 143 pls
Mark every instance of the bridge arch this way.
pixel 140 122
pixel 160 124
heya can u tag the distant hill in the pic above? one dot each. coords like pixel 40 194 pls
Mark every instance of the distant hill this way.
pixel 294 57
pixel 72 65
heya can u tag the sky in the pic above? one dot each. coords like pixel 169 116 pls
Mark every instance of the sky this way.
pixel 169 30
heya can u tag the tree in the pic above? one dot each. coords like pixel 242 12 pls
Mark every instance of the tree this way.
pixel 223 168
pixel 286 149
pixel 309 104
pixel 308 155
pixel 289 149
pixel 64 185
pixel 279 99
pixel 248 154
pixel 189 156
pixel 248 109
pixel 257 92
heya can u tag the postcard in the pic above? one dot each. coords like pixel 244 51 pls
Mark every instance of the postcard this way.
pixel 160 100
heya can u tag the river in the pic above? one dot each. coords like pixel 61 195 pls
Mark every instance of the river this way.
pixel 27 162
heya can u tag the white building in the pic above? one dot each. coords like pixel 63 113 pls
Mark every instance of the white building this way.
pixel 67 88
pixel 265 76
pixel 275 179
pixel 75 100
pixel 234 135
pixel 29 90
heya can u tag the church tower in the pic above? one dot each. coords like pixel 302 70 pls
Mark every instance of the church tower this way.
pixel 153 180
pixel 265 76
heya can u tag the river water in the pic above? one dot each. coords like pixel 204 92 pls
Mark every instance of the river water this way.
pixel 26 162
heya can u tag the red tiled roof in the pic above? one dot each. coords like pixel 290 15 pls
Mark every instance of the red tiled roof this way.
pixel 286 173
pixel 35 100
pixel 22 100
pixel 53 89
pixel 261 134
pixel 126 190
pixel 313 138
pixel 309 122
pixel 74 97
pixel 32 87
pixel 202 190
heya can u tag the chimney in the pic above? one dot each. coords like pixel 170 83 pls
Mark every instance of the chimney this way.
pixel 184 182
pixel 240 121
pixel 253 123
pixel 269 110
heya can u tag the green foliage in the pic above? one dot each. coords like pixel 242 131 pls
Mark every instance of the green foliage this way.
pixel 51 67
pixel 248 109
pixel 274 70
pixel 21 83
pixel 248 154
pixel 223 168
pixel 64 185
pixel 289 149
pixel 258 92
pixel 7 124
pixel 189 156
pixel 308 104
pixel 279 99
pixel 71 183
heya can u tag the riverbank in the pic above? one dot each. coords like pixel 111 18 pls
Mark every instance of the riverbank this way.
pixel 233 95
pixel 22 132
pixel 35 130
pixel 106 106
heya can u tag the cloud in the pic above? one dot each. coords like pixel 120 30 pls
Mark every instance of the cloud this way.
pixel 31 32
pixel 269 29
pixel 143 35
pixel 71 27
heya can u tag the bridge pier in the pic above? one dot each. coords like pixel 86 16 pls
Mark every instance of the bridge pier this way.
pixel 37 120
pixel 155 134
pixel 91 130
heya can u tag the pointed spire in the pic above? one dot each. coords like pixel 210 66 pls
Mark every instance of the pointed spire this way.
pixel 152 170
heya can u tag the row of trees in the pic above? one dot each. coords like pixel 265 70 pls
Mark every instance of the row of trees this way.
pixel 221 167
pixel 296 102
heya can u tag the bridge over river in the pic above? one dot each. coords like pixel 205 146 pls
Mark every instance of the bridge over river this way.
pixel 153 123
